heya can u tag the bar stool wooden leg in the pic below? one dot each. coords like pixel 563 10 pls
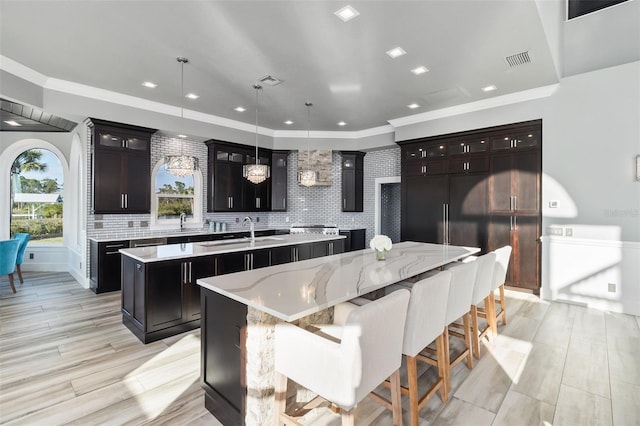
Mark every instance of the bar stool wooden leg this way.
pixel 412 373
pixel 476 331
pixel 348 419
pixel 396 399
pixel 280 388
pixel 467 339
pixel 503 306
pixel 442 369
pixel 446 359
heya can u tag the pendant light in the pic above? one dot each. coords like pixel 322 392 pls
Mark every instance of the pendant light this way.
pixel 181 165
pixel 256 173
pixel 308 177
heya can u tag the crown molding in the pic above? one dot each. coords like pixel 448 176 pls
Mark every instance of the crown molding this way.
pixel 497 101
pixel 19 70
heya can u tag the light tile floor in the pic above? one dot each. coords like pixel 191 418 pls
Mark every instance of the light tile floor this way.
pixel 66 358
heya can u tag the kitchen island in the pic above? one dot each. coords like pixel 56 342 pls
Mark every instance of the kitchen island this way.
pixel 240 311
pixel 160 297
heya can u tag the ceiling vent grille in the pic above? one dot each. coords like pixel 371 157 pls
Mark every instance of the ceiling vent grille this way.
pixel 518 59
pixel 269 80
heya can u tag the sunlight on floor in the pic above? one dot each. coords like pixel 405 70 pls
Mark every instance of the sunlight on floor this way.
pixel 170 362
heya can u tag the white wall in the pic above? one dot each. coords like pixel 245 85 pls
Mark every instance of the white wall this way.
pixel 591 136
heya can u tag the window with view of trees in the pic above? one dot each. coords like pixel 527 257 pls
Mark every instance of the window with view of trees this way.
pixel 36 195
pixel 175 195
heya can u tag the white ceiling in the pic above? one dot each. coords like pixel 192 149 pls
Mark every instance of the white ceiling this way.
pixel 341 67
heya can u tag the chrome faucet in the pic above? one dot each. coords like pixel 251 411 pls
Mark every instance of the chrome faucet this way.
pixel 183 219
pixel 251 228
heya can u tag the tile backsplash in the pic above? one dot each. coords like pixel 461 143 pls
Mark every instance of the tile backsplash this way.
pixel 305 204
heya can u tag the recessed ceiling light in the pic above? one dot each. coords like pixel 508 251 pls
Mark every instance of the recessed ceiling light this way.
pixel 150 84
pixel 413 105
pixel 342 123
pixel 239 109
pixel 192 96
pixel 13 123
pixel 288 122
pixel 347 13
pixel 420 70
pixel 182 136
pixel 489 88
pixel 395 52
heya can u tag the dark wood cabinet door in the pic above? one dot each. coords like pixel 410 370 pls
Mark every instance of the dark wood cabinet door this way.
pixel 165 306
pixel 526 185
pixel 138 190
pixel 224 329
pixel 304 251
pixel 109 266
pixel 526 252
pixel 280 255
pixel 279 181
pixel 260 258
pixel 468 217
pixel 500 190
pixel 230 263
pixel 352 164
pixel 201 267
pixel 227 194
pixel 348 190
pixel 128 280
pixel 423 204
pixel 107 177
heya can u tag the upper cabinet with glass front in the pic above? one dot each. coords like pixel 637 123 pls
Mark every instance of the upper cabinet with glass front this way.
pixel 120 167
pixel 526 140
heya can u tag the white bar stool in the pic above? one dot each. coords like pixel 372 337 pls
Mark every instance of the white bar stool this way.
pixel 344 371
pixel 503 255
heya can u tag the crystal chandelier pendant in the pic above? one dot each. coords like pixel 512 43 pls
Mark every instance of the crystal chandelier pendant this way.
pixel 308 178
pixel 256 173
pixel 180 165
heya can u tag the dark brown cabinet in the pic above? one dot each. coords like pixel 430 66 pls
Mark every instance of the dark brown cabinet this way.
pixel 352 181
pixel 120 167
pixel 479 188
pixel 161 299
pixel 514 204
pixel 355 239
pixel 105 265
pixel 279 180
pixel 228 190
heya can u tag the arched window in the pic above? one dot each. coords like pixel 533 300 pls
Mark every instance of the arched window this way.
pixel 36 185
pixel 172 196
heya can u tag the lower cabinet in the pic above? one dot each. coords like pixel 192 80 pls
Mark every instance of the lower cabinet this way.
pixel 105 265
pixel 222 339
pixel 355 239
pixel 161 299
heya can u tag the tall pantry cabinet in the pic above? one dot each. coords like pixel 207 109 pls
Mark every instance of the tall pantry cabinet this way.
pixel 479 188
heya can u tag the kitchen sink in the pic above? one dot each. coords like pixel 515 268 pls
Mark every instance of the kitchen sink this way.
pixel 237 241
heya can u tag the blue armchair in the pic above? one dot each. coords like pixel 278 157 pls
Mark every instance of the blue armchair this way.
pixel 24 239
pixel 8 256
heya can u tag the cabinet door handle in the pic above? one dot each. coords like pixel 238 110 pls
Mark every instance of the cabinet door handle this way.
pixel 231 201
pixel 190 276
pixel 257 203
pixel 122 201
pixel 515 222
pixel 511 223
pixel 515 203
pixel 126 201
pixel 344 203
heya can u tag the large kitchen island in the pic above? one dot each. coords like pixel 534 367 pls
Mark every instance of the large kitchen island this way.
pixel 240 310
pixel 160 297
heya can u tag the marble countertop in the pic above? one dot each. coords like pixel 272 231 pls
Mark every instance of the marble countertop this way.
pixel 186 233
pixel 294 290
pixel 207 248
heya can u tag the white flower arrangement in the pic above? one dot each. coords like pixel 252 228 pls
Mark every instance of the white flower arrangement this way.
pixel 381 243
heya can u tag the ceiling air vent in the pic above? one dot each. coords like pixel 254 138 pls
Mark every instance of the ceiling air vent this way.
pixel 518 59
pixel 269 80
